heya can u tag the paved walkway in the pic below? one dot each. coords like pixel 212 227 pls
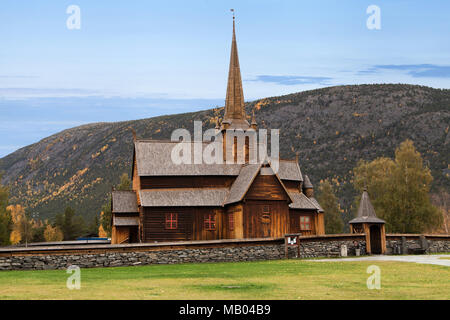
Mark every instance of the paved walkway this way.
pixel 425 259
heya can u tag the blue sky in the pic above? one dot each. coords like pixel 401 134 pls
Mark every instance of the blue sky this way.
pixel 136 59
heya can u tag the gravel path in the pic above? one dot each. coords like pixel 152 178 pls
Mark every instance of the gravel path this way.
pixel 425 259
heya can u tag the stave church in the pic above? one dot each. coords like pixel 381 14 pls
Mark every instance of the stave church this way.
pixel 184 202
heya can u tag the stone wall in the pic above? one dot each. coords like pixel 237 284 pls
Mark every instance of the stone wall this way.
pixel 164 253
pixel 407 243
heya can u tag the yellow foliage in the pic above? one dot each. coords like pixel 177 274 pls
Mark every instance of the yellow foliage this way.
pixel 53 234
pixel 101 232
pixel 17 213
pixel 15 237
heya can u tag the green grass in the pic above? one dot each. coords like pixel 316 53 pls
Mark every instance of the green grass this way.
pixel 282 279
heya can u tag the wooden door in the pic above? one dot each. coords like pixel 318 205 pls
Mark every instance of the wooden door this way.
pixel 375 239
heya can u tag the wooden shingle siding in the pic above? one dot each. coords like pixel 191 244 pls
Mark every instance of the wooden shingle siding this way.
pixel 266 187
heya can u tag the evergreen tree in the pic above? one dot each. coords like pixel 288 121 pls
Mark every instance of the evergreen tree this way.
pixel 5 216
pixel 106 218
pixel 399 190
pixel 125 183
pixel 71 225
pixel 330 204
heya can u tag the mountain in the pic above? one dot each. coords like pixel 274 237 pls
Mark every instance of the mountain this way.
pixel 330 128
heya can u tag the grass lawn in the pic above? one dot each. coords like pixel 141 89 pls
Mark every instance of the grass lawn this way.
pixel 282 279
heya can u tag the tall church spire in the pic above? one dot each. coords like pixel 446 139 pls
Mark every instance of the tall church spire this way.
pixel 235 116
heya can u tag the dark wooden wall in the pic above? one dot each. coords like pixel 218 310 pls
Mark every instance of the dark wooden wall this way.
pixel 190 224
pixel 294 222
pixel 186 182
pixel 263 219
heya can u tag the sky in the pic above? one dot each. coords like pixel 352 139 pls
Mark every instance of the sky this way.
pixel 137 59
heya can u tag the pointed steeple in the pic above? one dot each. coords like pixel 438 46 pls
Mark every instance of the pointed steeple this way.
pixel 366 212
pixel 235 116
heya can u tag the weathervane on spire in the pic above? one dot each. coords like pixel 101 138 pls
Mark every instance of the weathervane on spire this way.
pixel 232 10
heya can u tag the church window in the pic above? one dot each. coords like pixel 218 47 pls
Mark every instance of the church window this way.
pixel 171 221
pixel 210 222
pixel 305 223
pixel 231 221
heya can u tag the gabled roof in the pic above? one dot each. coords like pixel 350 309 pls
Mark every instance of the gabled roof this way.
pixel 183 197
pixel 300 201
pixel 124 202
pixel 245 179
pixel 242 183
pixel 366 212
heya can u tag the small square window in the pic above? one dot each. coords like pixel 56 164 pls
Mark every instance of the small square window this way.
pixel 305 223
pixel 210 222
pixel 171 221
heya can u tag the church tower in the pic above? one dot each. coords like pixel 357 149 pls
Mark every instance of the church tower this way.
pixel 235 118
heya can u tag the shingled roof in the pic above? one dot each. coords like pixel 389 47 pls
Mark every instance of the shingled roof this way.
pixel 300 201
pixel 242 183
pixel 154 159
pixel 290 170
pixel 183 197
pixel 316 203
pixel 124 202
pixel 125 221
pixel 366 212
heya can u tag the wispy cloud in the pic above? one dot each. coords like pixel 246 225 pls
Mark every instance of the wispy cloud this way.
pixel 414 70
pixel 291 80
pixel 44 92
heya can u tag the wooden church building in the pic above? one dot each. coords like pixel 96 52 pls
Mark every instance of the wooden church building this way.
pixel 179 202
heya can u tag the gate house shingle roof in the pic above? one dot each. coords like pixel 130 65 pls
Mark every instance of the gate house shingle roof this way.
pixel 366 212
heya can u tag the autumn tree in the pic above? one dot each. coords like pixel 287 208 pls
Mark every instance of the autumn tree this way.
pixel 22 226
pixel 53 233
pixel 399 190
pixel 330 204
pixel 101 231
pixel 5 216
